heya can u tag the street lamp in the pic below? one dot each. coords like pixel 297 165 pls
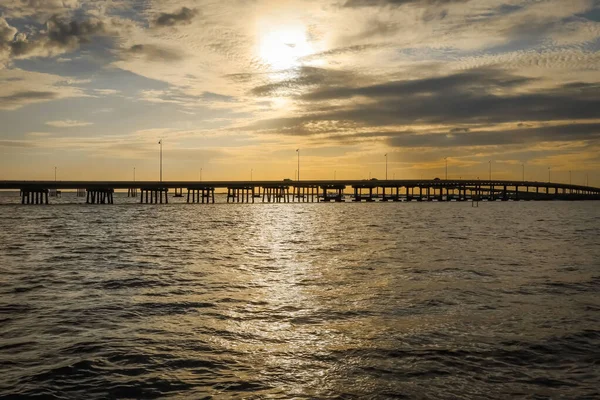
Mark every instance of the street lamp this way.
pixel 386 167
pixel 200 174
pixel 523 168
pixel 160 142
pixel 569 177
pixel 334 174
pixel 298 151
pixel 490 162
pixel 446 159
pixel 549 174
pixel 134 174
pixel 54 174
pixel 251 170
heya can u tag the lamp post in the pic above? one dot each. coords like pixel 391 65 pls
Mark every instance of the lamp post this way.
pixel 587 183
pixel 446 159
pixel 569 177
pixel 160 143
pixel 54 174
pixel 334 175
pixel 523 171
pixel 134 174
pixel 251 170
pixel 490 162
pixel 386 167
pixel 298 151
pixel 200 174
pixel 549 174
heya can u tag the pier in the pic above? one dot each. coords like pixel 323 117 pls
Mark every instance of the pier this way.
pixel 288 191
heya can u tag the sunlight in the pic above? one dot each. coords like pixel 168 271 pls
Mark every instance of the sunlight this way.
pixel 281 46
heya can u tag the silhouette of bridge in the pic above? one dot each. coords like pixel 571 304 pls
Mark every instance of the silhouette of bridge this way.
pixel 101 192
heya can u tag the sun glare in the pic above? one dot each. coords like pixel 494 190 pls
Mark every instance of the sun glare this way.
pixel 283 46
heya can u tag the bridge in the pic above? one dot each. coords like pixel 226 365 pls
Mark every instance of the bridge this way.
pixel 285 191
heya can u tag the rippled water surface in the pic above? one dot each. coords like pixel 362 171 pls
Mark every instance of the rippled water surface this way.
pixel 383 300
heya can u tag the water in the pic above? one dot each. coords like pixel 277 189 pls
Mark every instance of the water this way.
pixel 384 300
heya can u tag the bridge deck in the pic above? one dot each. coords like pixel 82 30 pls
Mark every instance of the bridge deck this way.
pixel 25 184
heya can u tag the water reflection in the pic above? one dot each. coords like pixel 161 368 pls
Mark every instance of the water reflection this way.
pixel 299 300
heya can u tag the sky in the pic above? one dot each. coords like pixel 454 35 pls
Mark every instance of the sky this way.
pixel 233 88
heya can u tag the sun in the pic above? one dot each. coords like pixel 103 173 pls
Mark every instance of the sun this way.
pixel 281 47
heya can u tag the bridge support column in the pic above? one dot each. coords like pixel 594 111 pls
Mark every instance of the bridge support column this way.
pixel 240 194
pixel 201 195
pixel 100 196
pixel 154 195
pixel 34 196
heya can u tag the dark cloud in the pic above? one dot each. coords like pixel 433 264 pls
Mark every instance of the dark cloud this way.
pixel 572 132
pixel 480 97
pixel 60 35
pixel 397 3
pixel 70 34
pixel 466 82
pixel 19 98
pixel 463 137
pixel 152 53
pixel 303 77
pixel 182 17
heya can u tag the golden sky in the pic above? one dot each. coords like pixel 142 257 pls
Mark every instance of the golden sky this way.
pixel 237 86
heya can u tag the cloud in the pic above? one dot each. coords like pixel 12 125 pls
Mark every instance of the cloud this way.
pixel 69 34
pixel 60 36
pixel 459 102
pixel 303 77
pixel 106 92
pixel 181 17
pixel 7 33
pixel 15 100
pixel 151 52
pixel 39 10
pixel 68 123
pixel 554 133
pixel 397 3
pixel 463 82
pixel 19 88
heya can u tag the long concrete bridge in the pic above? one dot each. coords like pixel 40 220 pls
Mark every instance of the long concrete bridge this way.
pixel 101 192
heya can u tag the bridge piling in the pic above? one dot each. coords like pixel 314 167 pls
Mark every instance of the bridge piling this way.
pixel 154 195
pixel 34 196
pixel 99 196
